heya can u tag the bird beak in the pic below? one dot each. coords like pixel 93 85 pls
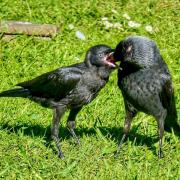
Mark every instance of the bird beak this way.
pixel 110 59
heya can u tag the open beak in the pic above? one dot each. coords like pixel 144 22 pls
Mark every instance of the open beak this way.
pixel 109 58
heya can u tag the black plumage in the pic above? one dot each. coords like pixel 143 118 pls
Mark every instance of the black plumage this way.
pixel 146 85
pixel 69 87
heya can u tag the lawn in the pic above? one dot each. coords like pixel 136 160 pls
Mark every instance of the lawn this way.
pixel 26 149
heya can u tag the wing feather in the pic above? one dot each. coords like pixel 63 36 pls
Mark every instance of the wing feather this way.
pixel 55 84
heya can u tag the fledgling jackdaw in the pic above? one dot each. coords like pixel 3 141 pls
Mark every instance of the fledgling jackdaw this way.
pixel 146 85
pixel 69 87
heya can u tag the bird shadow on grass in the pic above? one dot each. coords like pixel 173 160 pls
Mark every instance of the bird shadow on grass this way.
pixel 114 133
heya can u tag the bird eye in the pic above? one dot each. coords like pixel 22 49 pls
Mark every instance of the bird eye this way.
pixel 101 55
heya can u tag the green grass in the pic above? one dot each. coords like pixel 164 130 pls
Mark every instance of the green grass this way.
pixel 26 150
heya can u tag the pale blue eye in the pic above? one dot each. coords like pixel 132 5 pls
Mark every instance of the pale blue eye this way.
pixel 101 55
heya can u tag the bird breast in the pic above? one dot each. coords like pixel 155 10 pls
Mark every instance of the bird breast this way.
pixel 86 90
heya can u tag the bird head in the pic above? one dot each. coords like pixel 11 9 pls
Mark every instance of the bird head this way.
pixel 123 52
pixel 100 55
pixel 139 51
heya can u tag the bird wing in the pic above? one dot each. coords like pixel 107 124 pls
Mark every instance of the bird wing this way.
pixel 55 84
pixel 167 95
pixel 168 102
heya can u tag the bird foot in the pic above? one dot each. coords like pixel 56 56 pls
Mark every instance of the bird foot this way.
pixel 71 127
pixel 116 153
pixel 57 142
pixel 160 154
pixel 61 155
pixel 77 140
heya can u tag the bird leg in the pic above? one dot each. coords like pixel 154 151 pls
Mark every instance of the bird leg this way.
pixel 58 113
pixel 71 125
pixel 127 125
pixel 161 132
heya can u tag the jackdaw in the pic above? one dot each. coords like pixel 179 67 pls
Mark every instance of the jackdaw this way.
pixel 146 85
pixel 69 87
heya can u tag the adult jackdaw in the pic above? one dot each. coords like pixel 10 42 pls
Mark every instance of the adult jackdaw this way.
pixel 69 87
pixel 146 85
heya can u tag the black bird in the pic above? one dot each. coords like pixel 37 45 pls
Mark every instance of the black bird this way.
pixel 146 85
pixel 69 87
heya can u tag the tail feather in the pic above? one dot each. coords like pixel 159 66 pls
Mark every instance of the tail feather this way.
pixel 171 121
pixel 18 92
pixel 172 124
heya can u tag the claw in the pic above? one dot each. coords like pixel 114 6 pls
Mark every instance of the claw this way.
pixel 61 155
pixel 116 154
pixel 160 154
pixel 74 136
pixel 71 127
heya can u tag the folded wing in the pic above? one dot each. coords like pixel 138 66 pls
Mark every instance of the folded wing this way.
pixel 55 84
